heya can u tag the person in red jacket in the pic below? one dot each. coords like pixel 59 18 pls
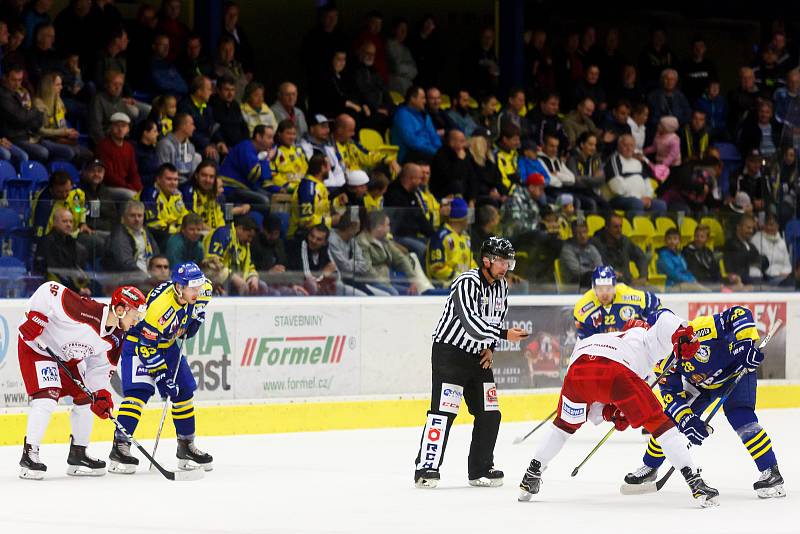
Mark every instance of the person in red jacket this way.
pixel 119 158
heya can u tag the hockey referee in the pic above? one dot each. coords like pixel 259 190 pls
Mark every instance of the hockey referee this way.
pixel 461 358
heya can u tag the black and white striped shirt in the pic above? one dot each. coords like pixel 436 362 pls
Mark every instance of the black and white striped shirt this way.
pixel 474 313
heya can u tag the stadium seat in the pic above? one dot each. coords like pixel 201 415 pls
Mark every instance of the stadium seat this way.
pixel 9 219
pixel 7 172
pixel 67 167
pixel 20 242
pixel 12 271
pixel 446 103
pixel 717 233
pixel 634 270
pixel 557 272
pixel 792 236
pixel 722 271
pixel 18 195
pixel 654 277
pixel 595 223
pixel 688 224
pixel 397 98
pixel 662 225
pixel 627 229
pixel 473 104
pixel 258 217
pixel 731 161
pixel 643 231
pixel 371 140
pixel 34 171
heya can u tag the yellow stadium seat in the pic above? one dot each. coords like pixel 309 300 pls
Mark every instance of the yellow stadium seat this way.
pixel 371 140
pixel 595 223
pixel 655 278
pixel 445 102
pixel 634 270
pixel 397 98
pixel 557 271
pixel 662 225
pixel 627 229
pixel 723 273
pixel 717 233
pixel 643 231
pixel 653 183
pixel 688 224
pixel 498 107
pixel 473 104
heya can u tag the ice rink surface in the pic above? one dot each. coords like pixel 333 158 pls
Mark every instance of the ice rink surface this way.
pixel 361 481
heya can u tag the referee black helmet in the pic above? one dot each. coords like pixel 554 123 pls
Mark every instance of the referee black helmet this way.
pixel 497 247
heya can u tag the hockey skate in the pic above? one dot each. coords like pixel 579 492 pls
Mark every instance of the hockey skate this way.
pixel 705 494
pixel 426 478
pixel 190 457
pixel 642 475
pixel 79 464
pixel 491 479
pixel 770 484
pixel 531 482
pixel 122 462
pixel 30 466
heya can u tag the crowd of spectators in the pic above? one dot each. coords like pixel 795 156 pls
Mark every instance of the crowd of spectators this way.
pixel 181 158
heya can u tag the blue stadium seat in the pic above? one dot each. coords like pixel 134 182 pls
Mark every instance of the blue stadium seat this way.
pixel 12 271
pixel 67 167
pixel 18 194
pixel 20 241
pixel 7 172
pixel 34 171
pixel 9 219
pixel 792 236
pixel 257 217
pixel 731 161
pixel 284 217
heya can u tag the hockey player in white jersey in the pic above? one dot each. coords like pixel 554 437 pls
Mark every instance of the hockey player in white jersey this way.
pixel 606 381
pixel 87 337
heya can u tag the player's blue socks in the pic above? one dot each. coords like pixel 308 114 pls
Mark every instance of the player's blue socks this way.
pixel 129 414
pixel 758 444
pixel 183 417
pixel 654 456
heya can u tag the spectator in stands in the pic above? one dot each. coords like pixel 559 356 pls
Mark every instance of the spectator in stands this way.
pixel 579 257
pixel 203 195
pixel 431 207
pixel 246 171
pixel 13 52
pixel 356 187
pixel 689 187
pixel 4 35
pixel 701 261
pixel 334 92
pixel 761 132
pixel 289 162
pixel 452 169
pixel 793 280
pixel 402 67
pixel 19 119
pixel 141 32
pixel 371 35
pixel 311 204
pixel 785 174
pixel 58 193
pixel 459 115
pixel 742 100
pixel 164 109
pixel 732 210
pixel 349 258
pixel 194 62
pixel 93 186
pixel 164 207
pixel 169 23
pixel 771 245
pixel 227 66
pixel 787 99
pixel 309 256
pixel 177 149
pixel 42 57
pixel 487 221
pixel 741 256
pixel 119 157
pixel 618 123
pixel 666 147
pixel 714 105
pixel 206 139
pixel 507 155
pixel 131 245
pixel 231 28
pixel 587 166
pixel 619 251
pixel 267 249
pixel 671 263
pixel 412 129
pixel 433 107
pixel 480 65
pixel 487 117
pixel 354 155
pixel 318 139
pixel 371 89
pixel 112 57
pixel 637 125
pixel 411 227
pixel 523 207
pixel 63 258
pixel 561 178
pixel 146 154
pixel 769 76
pixel 231 244
pixel 164 76
pixel 449 251
pixel 512 114
pixel 694 137
pixel 36 14
pixel 590 87
pixel 752 181
pixel 384 256
pixel 630 88
pixel 254 110
pixel 323 39
pixel 426 48
pixel 74 29
pixel 57 137
pixel 285 107
pixel 697 71
pixel 227 113
pixel 580 120
pixel 668 100
pixel 107 103
pixel 627 187
pixel 186 245
pixel 544 119
pixel 655 58
pixel 157 270
pixel 376 188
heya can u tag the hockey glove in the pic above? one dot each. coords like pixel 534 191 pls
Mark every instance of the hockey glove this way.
pixel 33 326
pixel 612 414
pixel 684 343
pixel 693 428
pixel 748 354
pixel 166 386
pixel 103 405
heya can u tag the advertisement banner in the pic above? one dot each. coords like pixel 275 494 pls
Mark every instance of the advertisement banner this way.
pixel 297 351
pixel 210 354
pixel 540 360
pixel 765 314
pixel 12 389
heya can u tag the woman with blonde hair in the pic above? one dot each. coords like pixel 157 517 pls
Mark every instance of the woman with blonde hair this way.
pixel 489 181
pixel 57 137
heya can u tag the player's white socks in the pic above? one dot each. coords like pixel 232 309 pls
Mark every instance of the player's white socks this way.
pixel 554 440
pixel 82 419
pixel 676 448
pixel 38 419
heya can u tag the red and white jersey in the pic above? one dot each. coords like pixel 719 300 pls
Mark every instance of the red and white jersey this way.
pixel 76 330
pixel 637 349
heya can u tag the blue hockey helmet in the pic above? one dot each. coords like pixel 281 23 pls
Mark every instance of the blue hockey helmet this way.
pixel 604 276
pixel 188 274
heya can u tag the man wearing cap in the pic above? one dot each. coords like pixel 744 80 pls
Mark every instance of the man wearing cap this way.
pixel 104 215
pixel 522 207
pixel 119 158
pixel 356 187
pixel 354 155
pixel 449 251
pixel 246 171
pixel 317 139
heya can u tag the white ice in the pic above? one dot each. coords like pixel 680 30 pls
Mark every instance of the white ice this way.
pixel 361 481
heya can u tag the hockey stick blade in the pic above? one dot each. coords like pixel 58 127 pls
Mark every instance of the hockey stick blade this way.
pixel 183 476
pixel 638 489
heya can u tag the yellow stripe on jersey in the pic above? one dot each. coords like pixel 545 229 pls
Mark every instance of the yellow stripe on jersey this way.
pixel 748 333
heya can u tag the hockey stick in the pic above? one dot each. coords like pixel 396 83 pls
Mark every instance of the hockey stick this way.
pixel 520 439
pixel 667 369
pixel 652 487
pixel 170 475
pixel 167 403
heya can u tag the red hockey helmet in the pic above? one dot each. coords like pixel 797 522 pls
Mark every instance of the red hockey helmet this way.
pixel 636 323
pixel 130 297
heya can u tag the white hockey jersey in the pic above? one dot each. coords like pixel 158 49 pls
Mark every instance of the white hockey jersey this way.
pixel 76 330
pixel 637 349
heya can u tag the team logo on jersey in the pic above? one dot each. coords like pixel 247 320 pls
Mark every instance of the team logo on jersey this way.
pixel 490 403
pixel 630 298
pixel 76 350
pixel 597 319
pixel 627 312
pixel 587 307
pixel 498 305
pixel 572 412
pixel 703 353
pixel 149 334
pixel 164 318
pixel 697 378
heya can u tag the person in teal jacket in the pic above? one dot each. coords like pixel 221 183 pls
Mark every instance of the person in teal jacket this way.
pixel 412 129
pixel 671 263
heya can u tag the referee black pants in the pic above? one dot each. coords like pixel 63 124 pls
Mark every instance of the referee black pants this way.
pixel 458 375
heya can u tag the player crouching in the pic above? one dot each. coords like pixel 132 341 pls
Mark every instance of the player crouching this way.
pixel 87 336
pixel 605 381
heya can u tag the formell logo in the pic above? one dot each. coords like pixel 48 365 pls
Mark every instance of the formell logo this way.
pixel 295 350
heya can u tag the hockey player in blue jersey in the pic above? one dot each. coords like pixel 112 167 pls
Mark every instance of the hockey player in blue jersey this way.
pixel 151 360
pixel 609 305
pixel 727 346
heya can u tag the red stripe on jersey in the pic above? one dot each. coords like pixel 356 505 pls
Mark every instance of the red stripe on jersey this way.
pixel 83 309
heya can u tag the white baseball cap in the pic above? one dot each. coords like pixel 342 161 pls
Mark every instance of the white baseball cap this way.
pixel 355 178
pixel 120 117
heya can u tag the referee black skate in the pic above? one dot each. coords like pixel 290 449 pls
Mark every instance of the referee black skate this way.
pixel 461 358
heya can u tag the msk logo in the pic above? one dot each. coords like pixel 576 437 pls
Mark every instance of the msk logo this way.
pixel 296 350
pixel 49 374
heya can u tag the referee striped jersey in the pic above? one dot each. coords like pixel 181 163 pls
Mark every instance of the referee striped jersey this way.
pixel 474 313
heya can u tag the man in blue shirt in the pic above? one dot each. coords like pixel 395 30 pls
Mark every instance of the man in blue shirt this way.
pixel 412 129
pixel 246 172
